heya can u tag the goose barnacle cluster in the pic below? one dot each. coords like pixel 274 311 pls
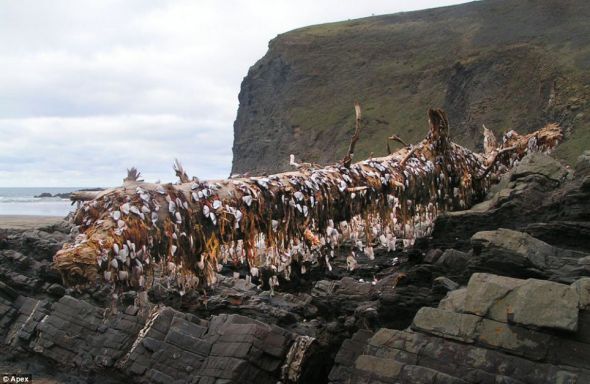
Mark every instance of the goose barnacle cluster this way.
pixel 273 223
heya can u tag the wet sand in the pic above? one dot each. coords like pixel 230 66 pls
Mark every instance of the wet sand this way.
pixel 27 221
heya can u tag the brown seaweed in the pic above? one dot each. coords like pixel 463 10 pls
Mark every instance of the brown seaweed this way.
pixel 289 219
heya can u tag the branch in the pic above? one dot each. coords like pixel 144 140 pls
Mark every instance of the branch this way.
pixel 84 195
pixel 357 131
pixel 439 126
pixel 398 139
pixel 301 166
pixel 544 139
pixel 408 155
pixel 132 175
pixel 395 138
pixel 357 189
pixel 494 160
pixel 490 144
pixel 180 172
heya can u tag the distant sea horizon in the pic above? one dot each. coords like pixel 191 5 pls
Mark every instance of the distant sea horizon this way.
pixel 22 201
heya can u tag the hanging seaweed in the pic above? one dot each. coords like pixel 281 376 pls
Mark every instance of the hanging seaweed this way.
pixel 289 219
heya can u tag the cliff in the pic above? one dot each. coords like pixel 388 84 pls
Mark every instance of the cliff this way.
pixel 508 64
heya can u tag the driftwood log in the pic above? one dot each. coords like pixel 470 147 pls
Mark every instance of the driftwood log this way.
pixel 283 221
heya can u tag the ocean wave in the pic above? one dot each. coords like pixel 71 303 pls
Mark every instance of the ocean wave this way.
pixel 12 199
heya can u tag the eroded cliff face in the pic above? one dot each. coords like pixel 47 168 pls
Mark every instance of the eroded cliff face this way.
pixel 506 64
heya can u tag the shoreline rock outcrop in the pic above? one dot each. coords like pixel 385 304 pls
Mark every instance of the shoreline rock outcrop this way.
pixel 484 300
pixel 495 330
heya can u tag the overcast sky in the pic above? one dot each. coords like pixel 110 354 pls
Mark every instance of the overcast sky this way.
pixel 89 88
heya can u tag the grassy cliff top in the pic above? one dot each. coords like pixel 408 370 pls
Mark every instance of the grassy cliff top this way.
pixel 507 64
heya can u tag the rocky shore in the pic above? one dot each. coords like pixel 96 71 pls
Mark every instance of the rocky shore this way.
pixel 499 294
pixel 66 195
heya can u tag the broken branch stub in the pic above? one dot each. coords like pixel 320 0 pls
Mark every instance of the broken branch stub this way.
pixel 132 175
pixel 395 138
pixel 355 137
pixel 282 221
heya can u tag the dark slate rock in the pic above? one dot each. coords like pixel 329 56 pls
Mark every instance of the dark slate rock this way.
pixel 432 256
pixel 56 290
pixel 453 260
pixel 444 284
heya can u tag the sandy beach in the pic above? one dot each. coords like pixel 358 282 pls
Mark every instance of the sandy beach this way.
pixel 27 221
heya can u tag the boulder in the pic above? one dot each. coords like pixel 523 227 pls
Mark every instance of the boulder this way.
pixel 149 344
pixel 43 195
pixel 529 302
pixel 378 366
pixel 453 260
pixel 454 301
pixel 584 262
pixel 56 290
pixel 432 256
pixel 447 324
pixel 518 254
pixel 542 304
pixel 501 353
pixel 568 234
pixel 537 196
pixel 444 284
pixel 513 247
pixel 538 163
pixel 485 290
pixel 515 340
pixel 471 329
pixel 582 288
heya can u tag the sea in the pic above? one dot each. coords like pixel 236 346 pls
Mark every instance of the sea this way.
pixel 22 201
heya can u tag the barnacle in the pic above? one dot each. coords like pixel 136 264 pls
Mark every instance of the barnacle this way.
pixel 271 222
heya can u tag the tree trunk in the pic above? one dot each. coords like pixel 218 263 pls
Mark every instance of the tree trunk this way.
pixel 283 220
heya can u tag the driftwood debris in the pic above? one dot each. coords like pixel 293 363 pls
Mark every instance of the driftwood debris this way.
pixel 283 221
pixel 395 138
pixel 355 137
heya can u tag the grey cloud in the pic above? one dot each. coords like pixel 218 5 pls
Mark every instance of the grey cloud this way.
pixel 89 88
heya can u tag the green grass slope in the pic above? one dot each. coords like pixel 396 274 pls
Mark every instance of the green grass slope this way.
pixel 508 64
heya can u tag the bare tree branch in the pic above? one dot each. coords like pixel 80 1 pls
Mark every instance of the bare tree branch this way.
pixel 355 137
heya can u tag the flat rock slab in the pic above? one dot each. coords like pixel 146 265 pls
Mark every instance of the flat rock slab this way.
pixel 502 353
pixel 485 290
pixel 531 302
pixel 541 164
pixel 542 304
pixel 454 301
pixel 582 287
pixel 517 247
pixel 447 324
pixel 470 329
